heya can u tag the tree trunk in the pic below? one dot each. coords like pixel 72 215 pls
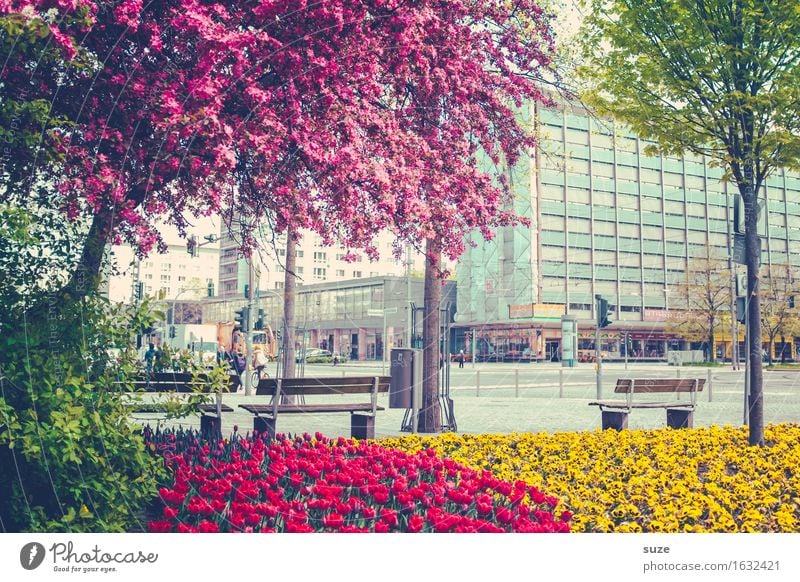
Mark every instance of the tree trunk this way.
pixel 86 276
pixel 289 297
pixel 771 351
pixel 712 350
pixel 430 416
pixel 753 253
pixel 783 349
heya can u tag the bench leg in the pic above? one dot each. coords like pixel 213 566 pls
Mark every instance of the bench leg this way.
pixel 616 419
pixel 263 425
pixel 680 418
pixel 211 427
pixel 362 426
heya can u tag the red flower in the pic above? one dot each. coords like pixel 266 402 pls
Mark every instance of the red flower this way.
pixel 415 523
pixel 389 516
pixel 333 521
pixel 381 527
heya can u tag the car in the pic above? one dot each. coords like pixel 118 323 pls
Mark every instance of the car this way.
pixel 314 354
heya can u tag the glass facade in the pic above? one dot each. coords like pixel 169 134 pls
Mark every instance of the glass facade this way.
pixel 608 219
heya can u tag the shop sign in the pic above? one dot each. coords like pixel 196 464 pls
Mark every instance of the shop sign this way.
pixel 548 310
pixel 665 315
pixel 520 311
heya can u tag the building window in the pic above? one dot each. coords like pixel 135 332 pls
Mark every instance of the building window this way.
pixel 319 272
pixel 181 278
pixel 165 278
pixel 320 256
pixel 630 308
pixel 281 252
pixel 357 274
pixel 340 272
pixel 373 273
pixel 300 254
pixel 278 284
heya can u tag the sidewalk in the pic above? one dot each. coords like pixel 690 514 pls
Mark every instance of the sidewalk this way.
pixel 537 409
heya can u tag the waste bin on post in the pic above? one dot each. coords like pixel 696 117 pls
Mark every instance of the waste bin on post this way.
pixel 406 384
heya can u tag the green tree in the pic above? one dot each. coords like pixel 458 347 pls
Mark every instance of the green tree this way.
pixel 718 78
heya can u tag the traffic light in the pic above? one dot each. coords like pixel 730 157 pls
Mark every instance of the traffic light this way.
pixel 242 318
pixel 246 291
pixel 740 309
pixel 791 301
pixel 172 332
pixel 259 324
pixel 602 312
pixel 193 246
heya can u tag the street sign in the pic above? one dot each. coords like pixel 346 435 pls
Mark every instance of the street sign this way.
pixel 739 250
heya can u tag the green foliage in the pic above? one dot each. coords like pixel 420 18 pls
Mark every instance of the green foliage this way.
pixel 712 77
pixel 72 458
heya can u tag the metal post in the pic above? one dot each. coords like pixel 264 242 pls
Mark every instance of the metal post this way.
pixel 599 364
pixel 627 344
pixel 383 337
pixel 746 420
pixel 474 346
pixel 709 384
pixel 248 388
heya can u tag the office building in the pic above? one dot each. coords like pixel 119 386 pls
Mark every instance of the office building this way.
pixel 606 219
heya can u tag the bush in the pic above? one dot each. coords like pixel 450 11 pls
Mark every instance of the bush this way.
pixel 72 458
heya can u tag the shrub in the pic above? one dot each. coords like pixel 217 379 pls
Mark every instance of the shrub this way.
pixel 72 458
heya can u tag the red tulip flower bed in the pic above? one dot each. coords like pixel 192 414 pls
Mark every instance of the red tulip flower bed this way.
pixel 306 484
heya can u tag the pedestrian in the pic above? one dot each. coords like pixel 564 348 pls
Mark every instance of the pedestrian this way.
pixel 335 359
pixel 149 358
pixel 461 359
pixel 259 361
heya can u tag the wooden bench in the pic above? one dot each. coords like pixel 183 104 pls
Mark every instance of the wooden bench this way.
pixel 181 383
pixel 680 414
pixel 362 414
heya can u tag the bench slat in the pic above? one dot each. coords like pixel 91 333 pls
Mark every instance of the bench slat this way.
pixel 311 386
pixel 658 385
pixel 308 408
pixel 624 405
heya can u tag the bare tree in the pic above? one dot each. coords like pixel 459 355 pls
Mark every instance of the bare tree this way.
pixel 705 294
pixel 778 315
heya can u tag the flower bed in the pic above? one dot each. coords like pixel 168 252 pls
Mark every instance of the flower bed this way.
pixel 700 480
pixel 310 484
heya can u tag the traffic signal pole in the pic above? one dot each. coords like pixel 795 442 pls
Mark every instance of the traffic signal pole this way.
pixel 598 359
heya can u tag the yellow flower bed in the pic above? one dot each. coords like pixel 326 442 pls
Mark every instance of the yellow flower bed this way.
pixel 699 480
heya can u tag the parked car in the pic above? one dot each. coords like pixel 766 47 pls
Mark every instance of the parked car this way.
pixel 314 355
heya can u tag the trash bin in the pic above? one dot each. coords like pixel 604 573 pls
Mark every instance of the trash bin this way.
pixel 402 376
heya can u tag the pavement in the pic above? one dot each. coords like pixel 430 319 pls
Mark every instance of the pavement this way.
pixel 536 397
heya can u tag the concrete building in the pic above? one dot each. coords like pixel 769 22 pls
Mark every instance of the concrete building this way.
pixel 175 274
pixel 605 219
pixel 315 263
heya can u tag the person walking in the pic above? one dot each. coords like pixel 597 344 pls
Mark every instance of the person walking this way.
pixel 461 359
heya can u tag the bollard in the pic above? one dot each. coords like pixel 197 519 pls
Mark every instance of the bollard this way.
pixel 561 382
pixel 477 383
pixel 709 384
pixel 516 383
pixel 678 371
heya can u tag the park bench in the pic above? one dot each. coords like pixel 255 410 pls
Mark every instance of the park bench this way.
pixel 181 383
pixel 362 414
pixel 680 413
